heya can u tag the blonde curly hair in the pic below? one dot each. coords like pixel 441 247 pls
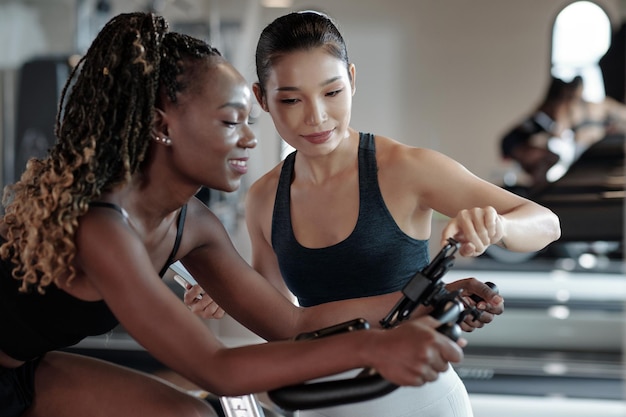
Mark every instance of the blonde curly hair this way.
pixel 103 133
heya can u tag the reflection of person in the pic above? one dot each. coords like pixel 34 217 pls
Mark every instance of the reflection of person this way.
pixel 528 142
pixel 152 116
pixel 564 125
pixel 592 121
pixel 348 214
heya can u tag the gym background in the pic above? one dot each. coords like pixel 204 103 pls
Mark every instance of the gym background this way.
pixel 451 75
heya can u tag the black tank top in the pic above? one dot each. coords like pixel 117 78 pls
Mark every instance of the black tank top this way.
pixel 377 258
pixel 32 324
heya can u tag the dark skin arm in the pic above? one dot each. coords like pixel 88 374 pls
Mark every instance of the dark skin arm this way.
pixel 119 268
pixel 205 307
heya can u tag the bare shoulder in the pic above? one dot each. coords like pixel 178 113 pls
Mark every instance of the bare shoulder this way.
pixel 200 217
pixel 392 154
pixel 197 209
pixel 103 220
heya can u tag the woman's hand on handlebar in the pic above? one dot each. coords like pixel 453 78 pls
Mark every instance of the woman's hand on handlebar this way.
pixel 414 353
pixel 201 304
pixel 489 303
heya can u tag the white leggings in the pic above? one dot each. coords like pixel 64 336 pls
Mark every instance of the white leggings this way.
pixel 445 397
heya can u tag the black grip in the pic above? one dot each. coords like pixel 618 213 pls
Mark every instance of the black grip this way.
pixel 331 393
pixel 452 330
pixel 448 313
pixel 491 285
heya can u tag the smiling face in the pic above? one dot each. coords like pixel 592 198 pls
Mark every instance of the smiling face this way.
pixel 209 127
pixel 308 94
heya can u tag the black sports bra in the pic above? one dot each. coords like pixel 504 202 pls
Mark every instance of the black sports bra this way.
pixel 179 229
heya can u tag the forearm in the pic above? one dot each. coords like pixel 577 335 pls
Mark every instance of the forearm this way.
pixel 372 309
pixel 529 228
pixel 272 365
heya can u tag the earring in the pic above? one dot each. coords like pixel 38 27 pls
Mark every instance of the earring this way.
pixel 164 140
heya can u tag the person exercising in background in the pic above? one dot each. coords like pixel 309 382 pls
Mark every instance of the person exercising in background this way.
pixel 546 143
pixel 528 143
pixel 592 121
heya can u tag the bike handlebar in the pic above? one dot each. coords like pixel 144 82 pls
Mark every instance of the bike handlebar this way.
pixel 424 288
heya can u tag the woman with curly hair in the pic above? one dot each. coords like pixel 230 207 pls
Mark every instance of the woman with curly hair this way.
pixel 146 119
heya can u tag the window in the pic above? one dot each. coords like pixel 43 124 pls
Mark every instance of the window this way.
pixel 581 36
